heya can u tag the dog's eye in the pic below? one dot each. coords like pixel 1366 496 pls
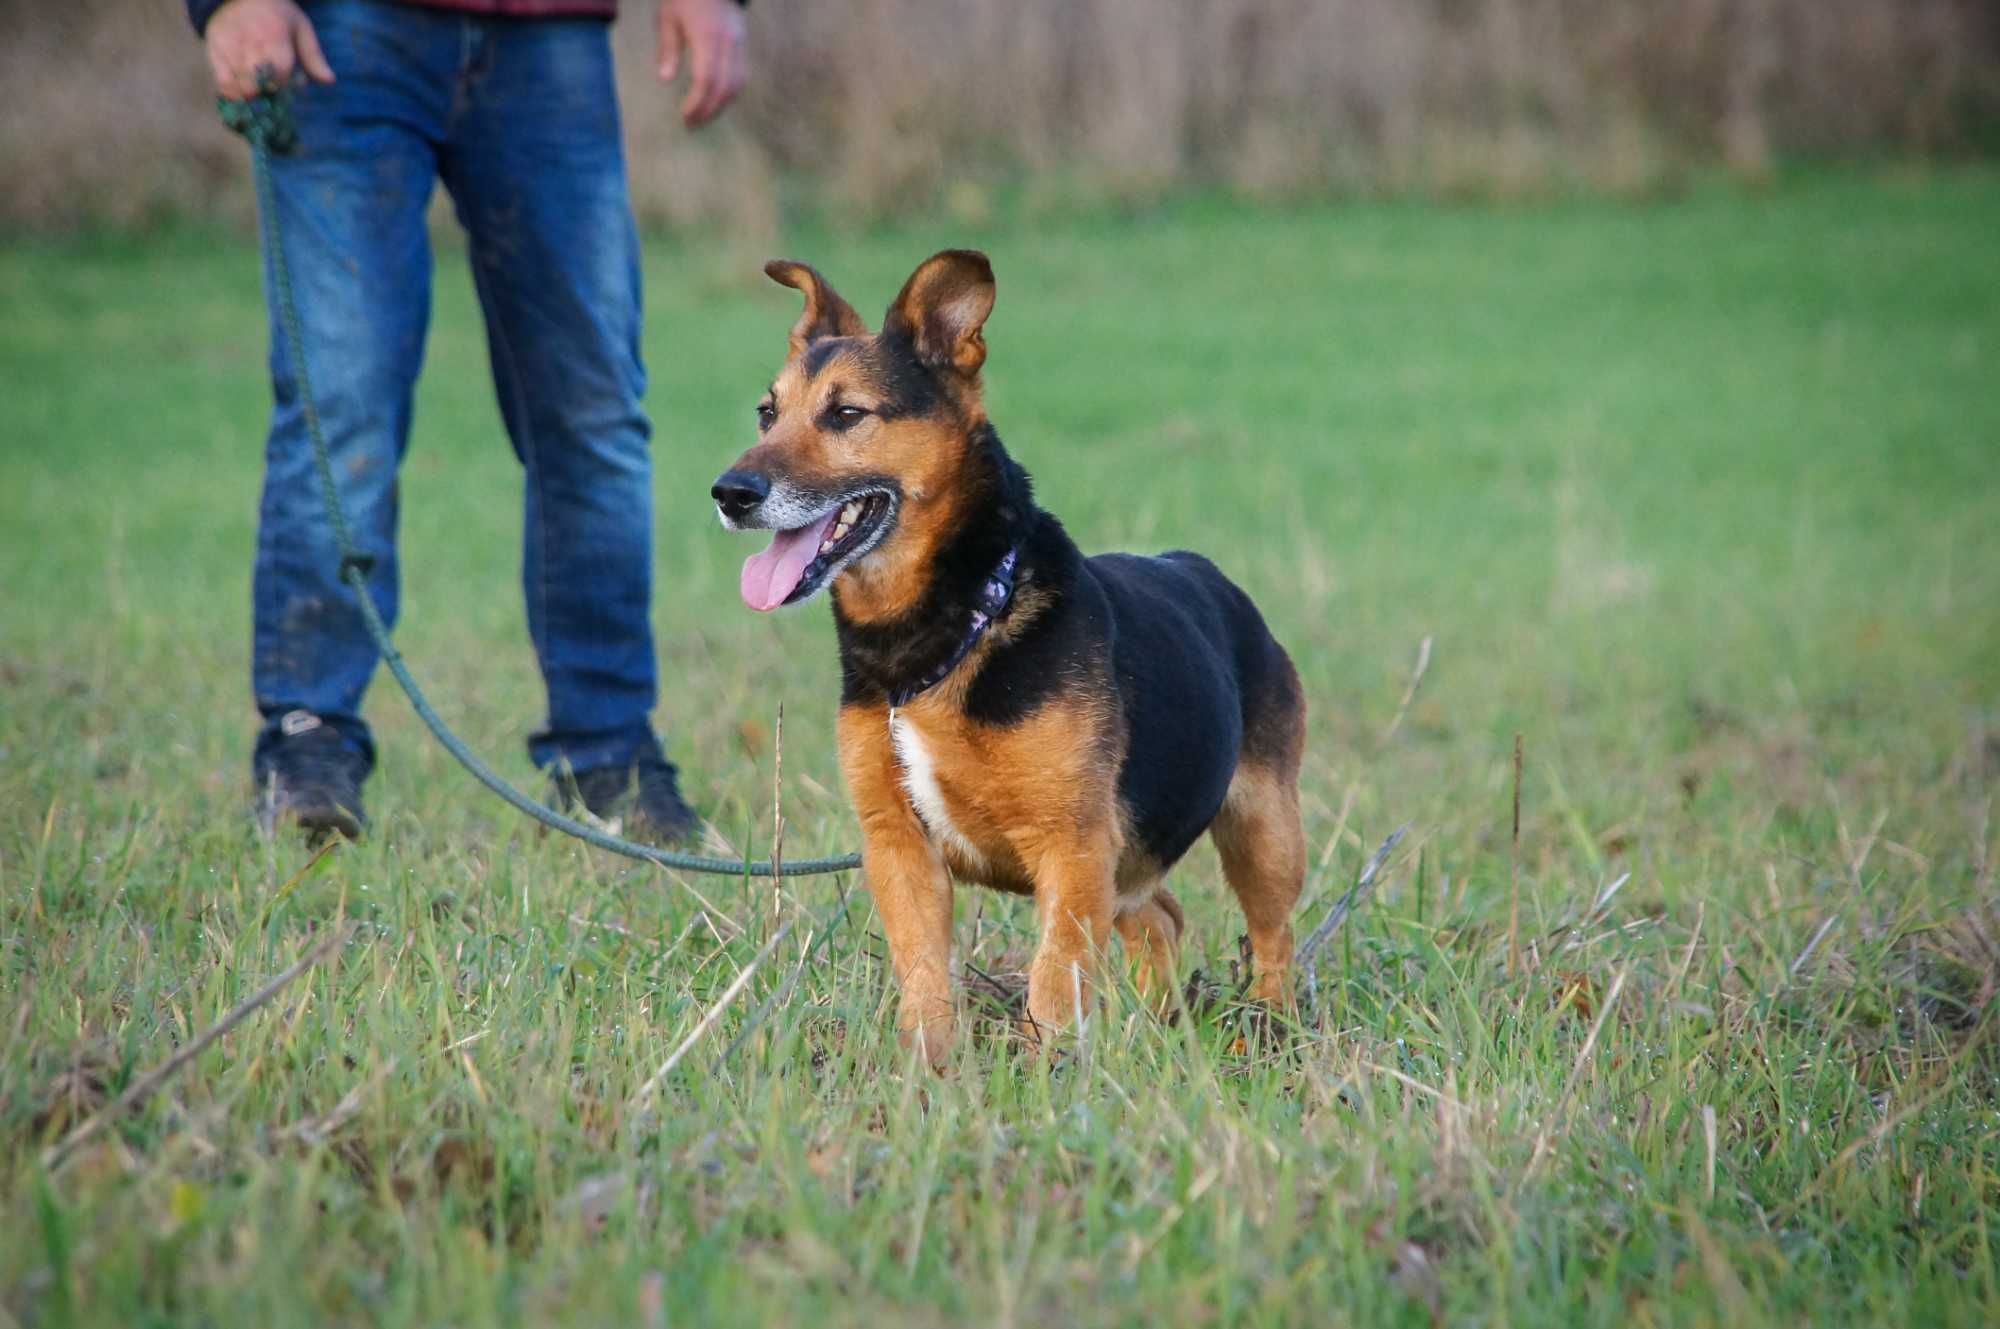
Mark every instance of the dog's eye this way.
pixel 846 417
pixel 767 415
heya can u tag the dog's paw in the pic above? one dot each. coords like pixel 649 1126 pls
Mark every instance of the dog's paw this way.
pixel 929 1040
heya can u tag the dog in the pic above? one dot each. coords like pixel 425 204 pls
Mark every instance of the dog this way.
pixel 1012 713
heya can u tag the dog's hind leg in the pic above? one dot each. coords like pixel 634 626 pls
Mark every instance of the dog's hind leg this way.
pixel 1151 930
pixel 1263 848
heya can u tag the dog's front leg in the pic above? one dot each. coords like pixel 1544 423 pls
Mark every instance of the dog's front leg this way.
pixel 912 894
pixel 907 880
pixel 1074 895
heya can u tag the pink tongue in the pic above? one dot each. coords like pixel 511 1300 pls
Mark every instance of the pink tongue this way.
pixel 772 574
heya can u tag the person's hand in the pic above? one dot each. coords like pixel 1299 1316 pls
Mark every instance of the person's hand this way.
pixel 247 35
pixel 710 34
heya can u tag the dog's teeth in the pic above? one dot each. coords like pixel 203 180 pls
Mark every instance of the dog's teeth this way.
pixel 841 526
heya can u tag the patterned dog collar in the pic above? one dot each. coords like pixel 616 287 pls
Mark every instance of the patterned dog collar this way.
pixel 994 595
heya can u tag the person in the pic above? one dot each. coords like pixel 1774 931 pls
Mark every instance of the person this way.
pixel 511 105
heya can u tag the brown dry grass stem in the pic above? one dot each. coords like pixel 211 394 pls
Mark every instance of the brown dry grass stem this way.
pixel 1409 693
pixel 1610 1003
pixel 1338 914
pixel 729 994
pixel 149 1083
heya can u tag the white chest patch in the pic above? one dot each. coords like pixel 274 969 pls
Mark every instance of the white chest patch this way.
pixel 920 783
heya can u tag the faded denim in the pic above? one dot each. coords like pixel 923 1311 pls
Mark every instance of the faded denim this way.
pixel 518 119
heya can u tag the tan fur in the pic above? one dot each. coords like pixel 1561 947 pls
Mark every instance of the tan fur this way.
pixel 906 878
pixel 1035 801
pixel 1263 849
pixel 1151 930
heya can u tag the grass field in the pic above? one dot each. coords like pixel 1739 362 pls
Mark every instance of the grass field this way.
pixel 1702 499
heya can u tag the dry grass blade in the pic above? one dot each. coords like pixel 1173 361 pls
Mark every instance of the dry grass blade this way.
pixel 291 883
pixel 1600 905
pixel 1708 1148
pixel 1335 916
pixel 778 817
pixel 1441 1096
pixel 1983 857
pixel 1858 859
pixel 1604 897
pixel 1576 1068
pixel 1687 956
pixel 729 994
pixel 814 942
pixel 1410 692
pixel 1596 1027
pixel 1812 945
pixel 1336 79
pixel 319 1129
pixel 1940 1085
pixel 148 1084
pixel 1514 873
pixel 714 912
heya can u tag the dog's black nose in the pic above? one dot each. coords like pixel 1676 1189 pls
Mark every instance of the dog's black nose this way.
pixel 738 493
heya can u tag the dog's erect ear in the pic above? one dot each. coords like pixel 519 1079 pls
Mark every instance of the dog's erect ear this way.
pixel 943 306
pixel 826 314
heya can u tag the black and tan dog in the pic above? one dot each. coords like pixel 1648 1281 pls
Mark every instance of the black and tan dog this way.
pixel 1012 713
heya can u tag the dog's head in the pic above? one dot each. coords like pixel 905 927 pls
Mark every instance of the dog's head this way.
pixel 863 434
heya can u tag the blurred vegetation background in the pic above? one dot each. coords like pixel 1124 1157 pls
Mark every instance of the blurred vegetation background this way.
pixel 1697 499
pixel 887 107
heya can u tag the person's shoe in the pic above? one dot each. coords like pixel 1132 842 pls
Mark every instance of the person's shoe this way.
pixel 643 799
pixel 310 776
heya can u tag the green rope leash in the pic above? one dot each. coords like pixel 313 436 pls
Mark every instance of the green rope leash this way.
pixel 266 122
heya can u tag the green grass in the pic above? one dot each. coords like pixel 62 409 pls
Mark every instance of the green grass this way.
pixel 1702 499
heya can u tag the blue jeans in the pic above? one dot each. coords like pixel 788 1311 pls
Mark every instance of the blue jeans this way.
pixel 519 120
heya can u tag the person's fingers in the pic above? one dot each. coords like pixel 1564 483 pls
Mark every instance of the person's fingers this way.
pixel 728 77
pixel 739 74
pixel 735 67
pixel 720 72
pixel 703 67
pixel 242 58
pixel 273 57
pixel 225 57
pixel 223 72
pixel 251 62
pixel 310 54
pixel 672 40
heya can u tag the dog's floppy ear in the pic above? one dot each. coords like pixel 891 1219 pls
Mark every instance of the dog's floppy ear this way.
pixel 826 314
pixel 943 306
